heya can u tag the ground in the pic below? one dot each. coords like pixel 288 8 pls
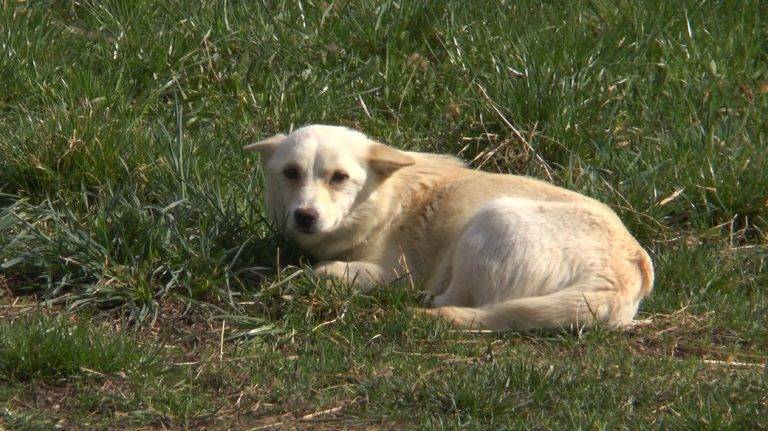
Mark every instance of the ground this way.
pixel 142 287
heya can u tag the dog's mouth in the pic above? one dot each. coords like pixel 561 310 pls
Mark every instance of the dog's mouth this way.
pixel 308 231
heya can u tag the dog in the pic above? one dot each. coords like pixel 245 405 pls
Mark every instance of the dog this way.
pixel 497 251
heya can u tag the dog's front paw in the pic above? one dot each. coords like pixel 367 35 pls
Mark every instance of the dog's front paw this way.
pixel 352 273
pixel 332 269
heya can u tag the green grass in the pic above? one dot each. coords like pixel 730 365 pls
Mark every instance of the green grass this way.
pixel 132 237
pixel 48 349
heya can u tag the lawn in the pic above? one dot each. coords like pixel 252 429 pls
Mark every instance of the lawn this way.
pixel 142 287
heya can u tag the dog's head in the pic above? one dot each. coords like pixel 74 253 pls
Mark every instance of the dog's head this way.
pixel 317 176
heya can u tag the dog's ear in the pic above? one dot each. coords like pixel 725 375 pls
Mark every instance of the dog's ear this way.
pixel 386 160
pixel 267 146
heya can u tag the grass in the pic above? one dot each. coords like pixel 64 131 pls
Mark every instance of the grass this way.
pixel 48 349
pixel 142 287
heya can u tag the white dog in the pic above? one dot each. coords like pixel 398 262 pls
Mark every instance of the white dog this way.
pixel 498 251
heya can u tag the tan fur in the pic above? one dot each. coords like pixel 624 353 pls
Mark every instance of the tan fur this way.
pixel 498 251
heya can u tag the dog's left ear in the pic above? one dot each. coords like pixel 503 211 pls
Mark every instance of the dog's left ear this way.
pixel 267 146
pixel 386 160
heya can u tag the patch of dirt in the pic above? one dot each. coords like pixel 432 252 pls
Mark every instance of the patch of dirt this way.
pixel 13 306
pixel 686 335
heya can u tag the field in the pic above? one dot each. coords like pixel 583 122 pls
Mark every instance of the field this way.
pixel 142 287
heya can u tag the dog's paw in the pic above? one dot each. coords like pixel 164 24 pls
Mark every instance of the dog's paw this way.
pixel 329 273
pixel 347 272
pixel 331 269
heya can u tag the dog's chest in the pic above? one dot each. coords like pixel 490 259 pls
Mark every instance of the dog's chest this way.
pixel 425 230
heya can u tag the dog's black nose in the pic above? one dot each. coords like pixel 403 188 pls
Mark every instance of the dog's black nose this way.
pixel 305 217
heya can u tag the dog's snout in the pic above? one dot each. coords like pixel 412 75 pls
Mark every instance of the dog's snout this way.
pixel 305 217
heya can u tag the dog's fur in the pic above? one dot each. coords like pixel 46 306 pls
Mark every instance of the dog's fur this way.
pixel 498 251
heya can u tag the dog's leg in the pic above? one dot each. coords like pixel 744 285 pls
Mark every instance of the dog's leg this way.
pixel 453 296
pixel 364 275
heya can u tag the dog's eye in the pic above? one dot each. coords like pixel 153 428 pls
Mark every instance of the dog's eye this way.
pixel 339 177
pixel 291 172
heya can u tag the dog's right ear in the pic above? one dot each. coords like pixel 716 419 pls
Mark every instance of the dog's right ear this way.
pixel 386 160
pixel 267 146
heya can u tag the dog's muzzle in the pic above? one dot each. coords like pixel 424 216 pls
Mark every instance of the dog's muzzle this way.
pixel 305 219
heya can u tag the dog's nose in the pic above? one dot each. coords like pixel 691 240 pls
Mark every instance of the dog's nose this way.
pixel 305 217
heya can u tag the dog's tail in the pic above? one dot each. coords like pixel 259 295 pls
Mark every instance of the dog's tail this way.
pixel 567 309
pixel 645 267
